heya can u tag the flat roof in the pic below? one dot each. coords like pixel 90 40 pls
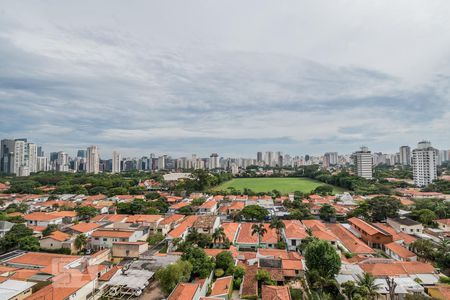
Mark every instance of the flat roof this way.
pixel 11 288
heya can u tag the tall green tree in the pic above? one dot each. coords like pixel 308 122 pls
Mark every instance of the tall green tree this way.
pixel 278 225
pixel 254 213
pixel 327 212
pixel 322 257
pixel 173 274
pixel 219 236
pixel 80 241
pixel 202 265
pixel 260 230
pixel 368 285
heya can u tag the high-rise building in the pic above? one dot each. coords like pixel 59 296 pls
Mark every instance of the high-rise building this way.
pixel 40 152
pixel 259 157
pixel 330 159
pixel 443 156
pixel 214 161
pixel 424 161
pixel 62 162
pixel 82 153
pixel 42 164
pixel 7 156
pixel 92 160
pixel 363 163
pixel 268 158
pixel 31 155
pixel 116 159
pixel 405 155
pixel 162 162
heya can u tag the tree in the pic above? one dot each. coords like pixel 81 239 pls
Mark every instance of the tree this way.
pixel 367 283
pixel 49 229
pixel 202 240
pixel 225 261
pixel 327 212
pixel 29 243
pixel 426 216
pixel 378 209
pixel 219 236
pixel 323 190
pixel 423 248
pixel 263 277
pixel 80 241
pixel 277 224
pixel 349 289
pixel 254 213
pixel 323 258
pixel 86 212
pixel 14 235
pixel 260 230
pixel 202 265
pixel 155 239
pixel 171 275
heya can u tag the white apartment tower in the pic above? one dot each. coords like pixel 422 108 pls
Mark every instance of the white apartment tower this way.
pixel 92 160
pixel 363 163
pixel 405 155
pixel 214 161
pixel 424 161
pixel 116 158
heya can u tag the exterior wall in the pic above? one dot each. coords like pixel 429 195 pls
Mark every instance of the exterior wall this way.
pixel 396 257
pixel 130 250
pixel 444 227
pixel 49 243
pixel 22 295
pixel 414 229
pixel 82 294
pixel 44 223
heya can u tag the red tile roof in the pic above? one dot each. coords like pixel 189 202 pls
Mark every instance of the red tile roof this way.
pixel 294 229
pixel 275 292
pixel 84 227
pixel 209 204
pixel 184 291
pixel 171 219
pixel 112 233
pixel 368 228
pixel 400 250
pixel 222 286
pixel 180 229
pixel 230 230
pixel 58 236
pixel 397 268
pixel 351 242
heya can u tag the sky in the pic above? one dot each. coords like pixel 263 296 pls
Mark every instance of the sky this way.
pixel 234 77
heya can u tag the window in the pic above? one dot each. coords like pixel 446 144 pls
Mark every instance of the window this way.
pixel 294 242
pixel 96 239
pixel 105 239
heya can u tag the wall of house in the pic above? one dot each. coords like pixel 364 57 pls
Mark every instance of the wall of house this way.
pixel 49 243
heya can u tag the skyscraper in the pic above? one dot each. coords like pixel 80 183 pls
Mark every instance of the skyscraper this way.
pixel 214 161
pixel 62 162
pixel 92 160
pixel 424 161
pixel 7 156
pixel 82 153
pixel 268 159
pixel 405 155
pixel 363 163
pixel 116 158
pixel 330 159
pixel 31 155
pixel 259 157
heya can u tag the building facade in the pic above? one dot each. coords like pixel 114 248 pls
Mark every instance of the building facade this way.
pixel 424 160
pixel 363 163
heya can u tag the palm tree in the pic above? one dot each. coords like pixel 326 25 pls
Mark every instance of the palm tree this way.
pixel 367 282
pixel 80 241
pixel 278 225
pixel 219 236
pixel 260 230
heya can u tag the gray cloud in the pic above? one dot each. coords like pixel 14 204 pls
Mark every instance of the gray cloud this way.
pixel 220 80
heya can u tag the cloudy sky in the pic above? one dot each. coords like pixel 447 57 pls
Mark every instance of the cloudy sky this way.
pixel 232 77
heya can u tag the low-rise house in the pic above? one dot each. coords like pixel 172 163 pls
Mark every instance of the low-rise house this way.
pixel 349 241
pixel 176 207
pixel 186 291
pixel 444 224
pixel 208 208
pixel 43 219
pixel 398 252
pixel 245 239
pixel 106 218
pixel 373 236
pixel 182 230
pixel 5 226
pixel 83 228
pixel 122 250
pixel 169 223
pixel 151 221
pixel 231 230
pixel 403 224
pixel 206 224
pixel 104 238
pixel 271 292
pixel 293 233
pixel 11 289
pixel 222 288
pixel 57 240
pixel 399 237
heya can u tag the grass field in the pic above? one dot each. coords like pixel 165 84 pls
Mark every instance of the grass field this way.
pixel 284 185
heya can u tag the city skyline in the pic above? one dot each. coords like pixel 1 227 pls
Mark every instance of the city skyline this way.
pixel 236 80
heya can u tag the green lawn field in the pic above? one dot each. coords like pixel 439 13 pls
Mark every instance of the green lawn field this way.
pixel 284 185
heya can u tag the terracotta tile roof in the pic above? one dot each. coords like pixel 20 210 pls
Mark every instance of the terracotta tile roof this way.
pixel 275 292
pixel 292 264
pixel 209 204
pixel 205 222
pixel 397 236
pixel 230 230
pixel 400 250
pixel 294 229
pixel 112 233
pixel 351 242
pixel 84 227
pixel 5 269
pixel 179 205
pixel 108 275
pixel 58 236
pixel 41 216
pixel 24 274
pixel 171 219
pixel 37 228
pixel 397 268
pixel 444 221
pixel 222 286
pixel 249 282
pixel 43 259
pixel 245 234
pixel 312 223
pixel 96 197
pixel 184 291
pixel 109 218
pixel 180 229
pixel 143 218
pixel 64 213
pixel 237 205
pixel 368 228
pixel 278 253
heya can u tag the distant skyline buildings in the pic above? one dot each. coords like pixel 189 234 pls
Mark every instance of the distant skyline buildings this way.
pixel 363 162
pixel 424 161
